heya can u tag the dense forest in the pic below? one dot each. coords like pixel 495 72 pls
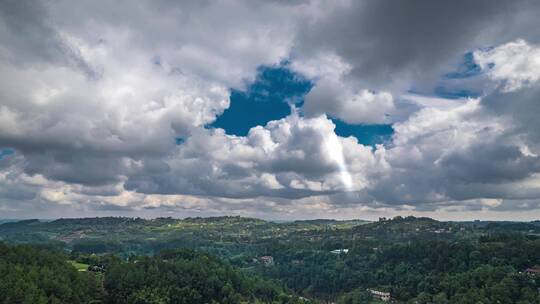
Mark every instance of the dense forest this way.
pixel 33 275
pixel 187 277
pixel 421 271
pixel 243 260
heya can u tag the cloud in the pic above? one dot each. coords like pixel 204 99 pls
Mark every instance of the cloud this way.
pixel 515 64
pixel 455 154
pixel 362 107
pixel 94 96
pixel 29 38
pixel 156 82
pixel 389 45
pixel 369 53
pixel 291 158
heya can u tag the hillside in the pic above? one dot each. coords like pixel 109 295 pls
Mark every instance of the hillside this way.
pixel 33 275
pixel 412 258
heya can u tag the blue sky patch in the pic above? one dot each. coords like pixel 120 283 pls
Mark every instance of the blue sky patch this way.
pixel 269 98
pixel 368 135
pixel 467 68
pixel 264 100
pixel 454 85
pixel 455 93
pixel 4 152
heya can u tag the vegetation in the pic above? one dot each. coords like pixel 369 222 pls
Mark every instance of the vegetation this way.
pixel 220 260
pixel 185 276
pixel 33 275
pixel 79 266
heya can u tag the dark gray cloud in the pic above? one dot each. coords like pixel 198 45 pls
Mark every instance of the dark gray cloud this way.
pixel 410 42
pixel 489 163
pixel 395 47
pixel 28 38
pixel 520 106
pixel 26 34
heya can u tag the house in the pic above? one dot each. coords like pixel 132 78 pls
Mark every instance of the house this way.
pixel 339 251
pixel 380 295
pixel 533 270
pixel 267 260
pixel 96 268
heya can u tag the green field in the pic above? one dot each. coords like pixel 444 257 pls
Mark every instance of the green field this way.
pixel 79 266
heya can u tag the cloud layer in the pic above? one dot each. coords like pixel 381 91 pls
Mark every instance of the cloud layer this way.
pixel 94 96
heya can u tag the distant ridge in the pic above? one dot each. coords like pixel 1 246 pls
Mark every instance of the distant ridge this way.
pixel 20 223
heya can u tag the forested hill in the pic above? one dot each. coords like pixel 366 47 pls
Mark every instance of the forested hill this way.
pixel 185 276
pixel 62 227
pixel 33 275
pixel 416 260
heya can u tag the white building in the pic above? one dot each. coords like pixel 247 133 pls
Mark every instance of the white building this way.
pixel 338 251
pixel 381 295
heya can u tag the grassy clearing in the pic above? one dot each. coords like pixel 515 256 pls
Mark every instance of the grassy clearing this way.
pixel 79 266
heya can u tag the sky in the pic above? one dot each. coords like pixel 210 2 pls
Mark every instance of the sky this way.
pixel 277 109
